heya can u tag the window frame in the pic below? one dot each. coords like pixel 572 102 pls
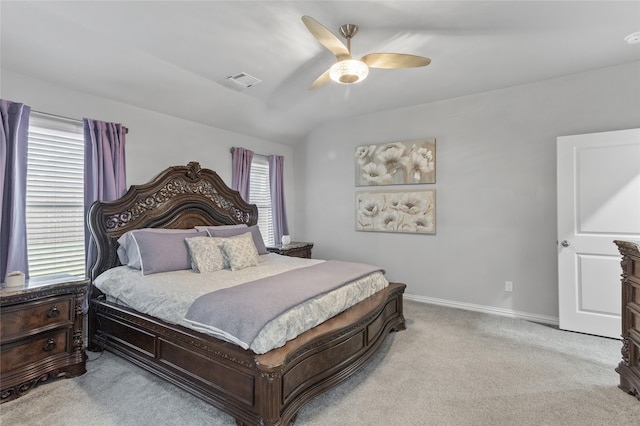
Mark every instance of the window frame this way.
pixel 55 197
pixel 260 195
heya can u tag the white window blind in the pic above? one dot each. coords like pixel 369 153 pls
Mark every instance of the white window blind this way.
pixel 260 195
pixel 55 197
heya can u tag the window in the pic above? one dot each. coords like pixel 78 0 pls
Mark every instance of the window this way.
pixel 55 197
pixel 260 195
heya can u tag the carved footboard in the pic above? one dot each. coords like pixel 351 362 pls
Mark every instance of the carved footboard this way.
pixel 629 367
pixel 266 389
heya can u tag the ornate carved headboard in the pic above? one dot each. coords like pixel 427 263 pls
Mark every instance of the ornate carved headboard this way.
pixel 179 197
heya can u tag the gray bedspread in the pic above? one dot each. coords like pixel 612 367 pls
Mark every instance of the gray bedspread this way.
pixel 242 311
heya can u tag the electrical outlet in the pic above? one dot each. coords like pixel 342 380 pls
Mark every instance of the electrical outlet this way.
pixel 508 286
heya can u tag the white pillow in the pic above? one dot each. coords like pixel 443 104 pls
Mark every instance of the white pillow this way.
pixel 240 251
pixel 206 254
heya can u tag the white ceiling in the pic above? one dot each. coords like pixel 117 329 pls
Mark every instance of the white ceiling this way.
pixel 168 56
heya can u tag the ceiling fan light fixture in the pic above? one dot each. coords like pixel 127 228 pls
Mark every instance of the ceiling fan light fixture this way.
pixel 348 71
pixel 633 38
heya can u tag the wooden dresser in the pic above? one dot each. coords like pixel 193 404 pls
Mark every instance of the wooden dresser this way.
pixel 629 367
pixel 41 335
pixel 292 249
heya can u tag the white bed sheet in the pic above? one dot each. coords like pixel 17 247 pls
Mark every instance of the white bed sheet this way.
pixel 169 295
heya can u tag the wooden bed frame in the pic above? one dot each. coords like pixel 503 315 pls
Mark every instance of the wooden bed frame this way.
pixel 266 389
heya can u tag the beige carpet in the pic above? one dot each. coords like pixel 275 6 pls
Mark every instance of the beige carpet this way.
pixel 450 367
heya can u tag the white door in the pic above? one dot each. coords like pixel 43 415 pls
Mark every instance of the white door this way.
pixel 598 202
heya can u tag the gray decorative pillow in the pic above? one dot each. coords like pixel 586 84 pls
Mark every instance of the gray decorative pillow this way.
pixel 258 241
pixel 163 252
pixel 240 251
pixel 206 254
pixel 128 252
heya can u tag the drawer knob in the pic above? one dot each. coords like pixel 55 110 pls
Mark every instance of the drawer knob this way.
pixel 53 312
pixel 49 346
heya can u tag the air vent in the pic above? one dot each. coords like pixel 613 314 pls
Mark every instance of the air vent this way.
pixel 239 82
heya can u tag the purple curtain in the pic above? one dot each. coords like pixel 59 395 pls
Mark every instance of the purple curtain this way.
pixel 104 171
pixel 241 170
pixel 276 186
pixel 13 179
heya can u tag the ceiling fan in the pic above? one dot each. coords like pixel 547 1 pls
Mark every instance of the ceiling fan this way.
pixel 348 70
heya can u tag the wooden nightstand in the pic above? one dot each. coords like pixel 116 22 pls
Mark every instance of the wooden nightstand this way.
pixel 40 334
pixel 292 249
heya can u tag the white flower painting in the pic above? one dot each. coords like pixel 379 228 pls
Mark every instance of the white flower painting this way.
pixel 397 211
pixel 397 163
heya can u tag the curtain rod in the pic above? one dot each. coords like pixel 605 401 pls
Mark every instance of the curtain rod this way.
pixel 255 153
pixel 126 129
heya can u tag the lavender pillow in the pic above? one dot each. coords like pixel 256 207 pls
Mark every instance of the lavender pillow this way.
pixel 205 227
pixel 128 249
pixel 164 252
pixel 215 231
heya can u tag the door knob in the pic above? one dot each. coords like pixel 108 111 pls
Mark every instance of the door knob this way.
pixel 565 243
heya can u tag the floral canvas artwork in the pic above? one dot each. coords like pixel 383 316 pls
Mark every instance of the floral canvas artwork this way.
pixel 397 163
pixel 396 211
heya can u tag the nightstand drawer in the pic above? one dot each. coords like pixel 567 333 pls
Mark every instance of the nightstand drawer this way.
pixel 41 333
pixel 33 350
pixel 34 317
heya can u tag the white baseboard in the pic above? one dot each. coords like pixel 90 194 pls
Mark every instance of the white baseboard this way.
pixel 485 309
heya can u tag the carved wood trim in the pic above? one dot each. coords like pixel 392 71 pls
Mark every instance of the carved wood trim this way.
pixel 629 366
pixel 21 296
pixel 179 197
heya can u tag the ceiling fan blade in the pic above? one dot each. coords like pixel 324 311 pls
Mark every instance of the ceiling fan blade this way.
pixel 320 81
pixel 326 38
pixel 394 60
